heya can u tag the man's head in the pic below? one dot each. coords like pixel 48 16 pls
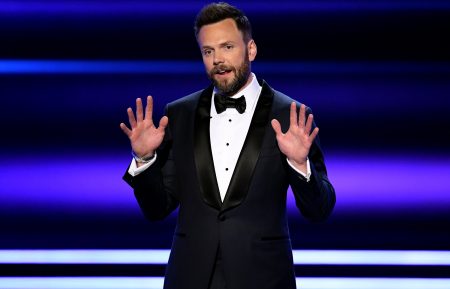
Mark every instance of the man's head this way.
pixel 224 35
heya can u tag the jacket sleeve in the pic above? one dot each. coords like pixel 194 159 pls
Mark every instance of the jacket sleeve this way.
pixel 155 188
pixel 315 199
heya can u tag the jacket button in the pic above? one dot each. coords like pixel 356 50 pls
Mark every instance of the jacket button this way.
pixel 222 218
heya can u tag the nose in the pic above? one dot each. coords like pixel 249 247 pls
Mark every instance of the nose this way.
pixel 218 59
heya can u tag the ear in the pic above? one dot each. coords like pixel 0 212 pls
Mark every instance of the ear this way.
pixel 252 50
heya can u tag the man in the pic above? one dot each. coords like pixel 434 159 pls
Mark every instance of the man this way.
pixel 220 154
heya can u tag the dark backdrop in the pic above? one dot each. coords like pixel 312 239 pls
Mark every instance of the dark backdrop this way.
pixel 376 75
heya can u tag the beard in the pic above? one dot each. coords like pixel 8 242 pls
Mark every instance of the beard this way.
pixel 231 87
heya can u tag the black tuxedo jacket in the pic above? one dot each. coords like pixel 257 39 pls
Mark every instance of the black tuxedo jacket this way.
pixel 249 227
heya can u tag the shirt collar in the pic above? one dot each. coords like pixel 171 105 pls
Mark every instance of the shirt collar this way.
pixel 251 93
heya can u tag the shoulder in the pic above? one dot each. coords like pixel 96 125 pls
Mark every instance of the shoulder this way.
pixel 190 100
pixel 187 104
pixel 281 101
pixel 279 98
pixel 281 104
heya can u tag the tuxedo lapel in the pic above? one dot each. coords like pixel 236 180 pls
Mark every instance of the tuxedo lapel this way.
pixel 240 181
pixel 202 151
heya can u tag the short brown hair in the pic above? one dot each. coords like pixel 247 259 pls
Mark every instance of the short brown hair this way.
pixel 216 12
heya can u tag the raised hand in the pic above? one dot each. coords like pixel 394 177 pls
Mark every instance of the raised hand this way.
pixel 145 138
pixel 297 141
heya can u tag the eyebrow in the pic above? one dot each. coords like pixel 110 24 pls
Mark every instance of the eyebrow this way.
pixel 220 45
pixel 227 43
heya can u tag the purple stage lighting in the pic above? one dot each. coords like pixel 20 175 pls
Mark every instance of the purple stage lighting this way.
pixel 92 182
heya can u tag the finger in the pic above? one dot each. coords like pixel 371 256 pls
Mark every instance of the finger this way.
pixel 314 134
pixel 131 118
pixel 163 123
pixel 139 110
pixel 302 116
pixel 309 123
pixel 276 127
pixel 293 115
pixel 125 129
pixel 149 108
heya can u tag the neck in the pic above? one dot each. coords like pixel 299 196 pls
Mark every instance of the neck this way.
pixel 247 83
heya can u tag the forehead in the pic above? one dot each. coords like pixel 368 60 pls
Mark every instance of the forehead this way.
pixel 219 32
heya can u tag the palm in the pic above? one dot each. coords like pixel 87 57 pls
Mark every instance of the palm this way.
pixel 297 141
pixel 144 136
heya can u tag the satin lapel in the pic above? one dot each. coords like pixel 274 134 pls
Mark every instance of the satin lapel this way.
pixel 202 151
pixel 242 175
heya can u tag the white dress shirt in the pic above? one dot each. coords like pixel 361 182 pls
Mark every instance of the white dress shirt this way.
pixel 228 131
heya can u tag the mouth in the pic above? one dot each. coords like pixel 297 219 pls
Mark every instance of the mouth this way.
pixel 222 71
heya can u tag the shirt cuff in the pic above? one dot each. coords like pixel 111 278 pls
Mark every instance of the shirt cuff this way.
pixel 307 176
pixel 133 170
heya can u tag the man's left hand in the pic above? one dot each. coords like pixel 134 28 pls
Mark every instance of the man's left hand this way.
pixel 297 141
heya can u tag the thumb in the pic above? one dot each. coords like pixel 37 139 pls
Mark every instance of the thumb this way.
pixel 163 123
pixel 276 126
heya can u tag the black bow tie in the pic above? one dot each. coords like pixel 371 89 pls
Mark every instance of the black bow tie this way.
pixel 222 102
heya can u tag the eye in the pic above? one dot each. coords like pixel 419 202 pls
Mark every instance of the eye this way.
pixel 207 52
pixel 229 46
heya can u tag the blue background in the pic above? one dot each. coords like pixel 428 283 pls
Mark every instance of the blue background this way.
pixel 375 73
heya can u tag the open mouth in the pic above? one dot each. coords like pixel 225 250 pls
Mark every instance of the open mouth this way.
pixel 223 71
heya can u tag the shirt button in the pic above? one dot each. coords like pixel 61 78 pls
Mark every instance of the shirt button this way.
pixel 226 169
pixel 229 120
pixel 228 144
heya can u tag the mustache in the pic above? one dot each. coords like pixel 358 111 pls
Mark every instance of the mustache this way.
pixel 222 67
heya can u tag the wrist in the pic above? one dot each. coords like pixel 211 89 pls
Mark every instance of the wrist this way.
pixel 143 159
pixel 298 163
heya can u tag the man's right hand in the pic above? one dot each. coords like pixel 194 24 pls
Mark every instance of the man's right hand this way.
pixel 145 138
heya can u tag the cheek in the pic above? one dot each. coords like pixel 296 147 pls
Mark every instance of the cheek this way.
pixel 207 64
pixel 239 58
